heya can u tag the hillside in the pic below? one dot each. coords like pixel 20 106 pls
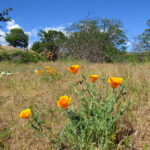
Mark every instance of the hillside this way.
pixel 11 54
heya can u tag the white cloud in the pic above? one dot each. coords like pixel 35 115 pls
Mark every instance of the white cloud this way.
pixel 2 32
pixel 11 25
pixel 2 38
pixel 59 28
pixel 33 33
pixel 129 43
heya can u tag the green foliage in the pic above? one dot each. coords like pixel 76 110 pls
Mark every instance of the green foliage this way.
pixel 142 41
pixel 27 57
pixel 21 57
pixel 4 134
pixel 135 58
pixel 17 37
pixel 37 47
pixel 3 14
pixel 50 41
pixel 94 123
pixel 4 56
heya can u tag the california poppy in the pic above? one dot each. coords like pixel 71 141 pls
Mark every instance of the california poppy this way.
pixel 47 67
pixel 48 71
pixel 63 102
pixel 25 114
pixel 93 77
pixel 115 82
pixel 74 68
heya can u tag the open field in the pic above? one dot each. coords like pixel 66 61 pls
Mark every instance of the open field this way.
pixel 22 89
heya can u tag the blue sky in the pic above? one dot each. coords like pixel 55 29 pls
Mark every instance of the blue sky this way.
pixel 32 15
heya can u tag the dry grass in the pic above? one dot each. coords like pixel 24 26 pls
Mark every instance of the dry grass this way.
pixel 10 49
pixel 23 89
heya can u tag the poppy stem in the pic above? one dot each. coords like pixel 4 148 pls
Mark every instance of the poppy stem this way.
pixel 33 125
pixel 120 94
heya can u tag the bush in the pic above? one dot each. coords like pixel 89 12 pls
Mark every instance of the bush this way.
pixel 21 57
pixel 31 57
pixel 4 56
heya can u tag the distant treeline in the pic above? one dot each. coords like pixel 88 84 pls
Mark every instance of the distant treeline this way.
pixel 92 39
pixel 95 40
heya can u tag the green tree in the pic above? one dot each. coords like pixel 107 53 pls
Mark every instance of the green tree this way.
pixel 3 17
pixel 96 40
pixel 51 39
pixel 3 14
pixel 17 38
pixel 37 46
pixel 142 41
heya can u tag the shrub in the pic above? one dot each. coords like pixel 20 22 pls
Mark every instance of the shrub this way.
pixel 31 57
pixel 4 56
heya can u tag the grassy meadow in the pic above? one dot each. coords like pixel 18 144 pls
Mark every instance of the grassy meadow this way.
pixel 23 89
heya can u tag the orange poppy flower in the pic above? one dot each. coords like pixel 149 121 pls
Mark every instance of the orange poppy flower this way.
pixel 47 67
pixel 115 82
pixel 25 114
pixel 93 77
pixel 53 69
pixel 63 102
pixel 48 71
pixel 42 71
pixel 74 68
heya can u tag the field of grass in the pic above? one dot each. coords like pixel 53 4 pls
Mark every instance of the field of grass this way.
pixel 23 89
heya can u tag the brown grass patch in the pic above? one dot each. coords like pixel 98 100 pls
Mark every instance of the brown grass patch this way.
pixel 23 89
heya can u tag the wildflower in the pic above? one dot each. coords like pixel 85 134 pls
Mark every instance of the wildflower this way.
pixel 36 73
pixel 63 102
pixel 53 69
pixel 25 114
pixel 58 74
pixel 47 67
pixel 74 68
pixel 42 71
pixel 48 71
pixel 115 82
pixel 93 77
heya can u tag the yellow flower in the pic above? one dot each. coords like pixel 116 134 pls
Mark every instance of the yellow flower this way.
pixel 48 71
pixel 47 67
pixel 63 102
pixel 36 73
pixel 93 77
pixel 115 82
pixel 25 114
pixel 74 68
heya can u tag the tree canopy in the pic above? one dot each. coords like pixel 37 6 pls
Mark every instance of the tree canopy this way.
pixel 96 40
pixel 142 41
pixel 17 38
pixel 51 40
pixel 3 15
